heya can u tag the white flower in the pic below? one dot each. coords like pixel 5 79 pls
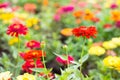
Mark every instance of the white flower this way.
pixel 5 75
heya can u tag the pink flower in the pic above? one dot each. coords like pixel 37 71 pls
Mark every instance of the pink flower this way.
pixel 57 17
pixel 64 62
pixel 4 5
pixel 67 9
pixel 113 6
pixel 117 24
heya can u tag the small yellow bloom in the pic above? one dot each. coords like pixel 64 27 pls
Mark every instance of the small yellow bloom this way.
pixel 96 50
pixel 31 22
pixel 5 75
pixel 26 76
pixel 109 45
pixel 13 41
pixel 112 62
pixel 116 41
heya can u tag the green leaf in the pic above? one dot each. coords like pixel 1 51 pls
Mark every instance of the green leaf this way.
pixel 84 58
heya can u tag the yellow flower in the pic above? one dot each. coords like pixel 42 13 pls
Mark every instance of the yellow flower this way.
pixel 13 41
pixel 26 76
pixel 109 45
pixel 31 22
pixel 112 62
pixel 118 2
pixel 96 50
pixel 116 41
pixel 5 75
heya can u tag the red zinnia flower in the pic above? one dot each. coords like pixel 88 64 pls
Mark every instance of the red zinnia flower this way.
pixel 107 26
pixel 31 64
pixel 33 44
pixel 16 30
pixel 64 62
pixel 85 31
pixel 32 54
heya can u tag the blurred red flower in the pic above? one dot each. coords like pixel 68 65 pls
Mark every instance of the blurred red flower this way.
pixel 64 62
pixel 85 31
pixel 107 26
pixel 33 44
pixel 31 64
pixel 30 7
pixel 16 30
pixel 32 54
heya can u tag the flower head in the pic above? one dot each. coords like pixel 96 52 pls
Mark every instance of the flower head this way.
pixel 26 76
pixel 16 30
pixel 96 50
pixel 32 54
pixel 85 31
pixel 31 64
pixel 112 62
pixel 63 61
pixel 66 31
pixel 109 45
pixel 33 44
pixel 5 75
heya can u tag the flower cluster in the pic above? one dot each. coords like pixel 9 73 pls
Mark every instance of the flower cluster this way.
pixel 85 31
pixel 112 62
pixel 105 47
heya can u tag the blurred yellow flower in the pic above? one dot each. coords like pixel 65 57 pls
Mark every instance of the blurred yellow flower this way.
pixel 6 17
pixel 109 45
pixel 118 2
pixel 13 41
pixel 112 62
pixel 5 75
pixel 31 22
pixel 26 76
pixel 96 50
pixel 116 41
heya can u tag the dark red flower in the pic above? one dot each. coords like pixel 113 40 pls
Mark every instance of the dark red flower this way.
pixel 65 62
pixel 85 31
pixel 32 54
pixel 31 64
pixel 33 44
pixel 16 30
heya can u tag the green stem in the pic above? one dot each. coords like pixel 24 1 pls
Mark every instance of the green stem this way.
pixel 67 58
pixel 44 63
pixel 81 55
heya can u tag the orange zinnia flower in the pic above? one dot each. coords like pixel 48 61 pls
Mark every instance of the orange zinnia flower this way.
pixel 88 15
pixel 115 15
pixel 78 14
pixel 66 32
pixel 32 54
